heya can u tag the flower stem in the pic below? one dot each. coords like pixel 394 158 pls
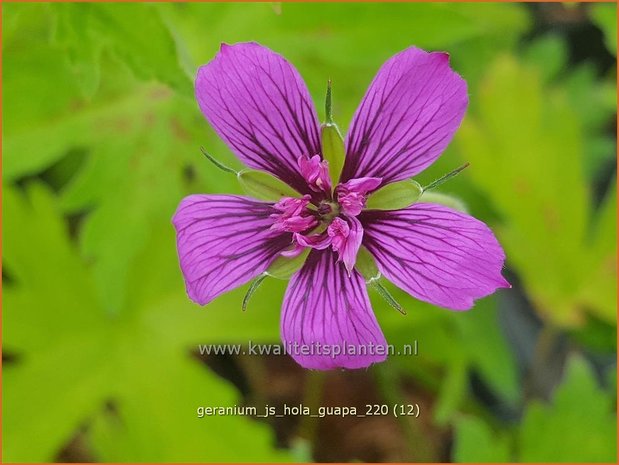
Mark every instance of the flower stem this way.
pixel 314 383
pixel 388 382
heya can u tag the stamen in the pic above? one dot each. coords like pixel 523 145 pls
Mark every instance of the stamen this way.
pixel 217 163
pixel 445 178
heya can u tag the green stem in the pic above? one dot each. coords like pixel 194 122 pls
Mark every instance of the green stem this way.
pixel 314 383
pixel 388 383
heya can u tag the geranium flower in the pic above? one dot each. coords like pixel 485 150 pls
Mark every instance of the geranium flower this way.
pixel 258 104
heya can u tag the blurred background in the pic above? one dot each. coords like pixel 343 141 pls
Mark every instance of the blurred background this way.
pixel 101 138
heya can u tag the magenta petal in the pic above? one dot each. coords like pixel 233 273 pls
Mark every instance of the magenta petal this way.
pixel 352 194
pixel 346 236
pixel 315 241
pixel 223 242
pixel 436 254
pixel 407 117
pixel 315 171
pixel 326 308
pixel 258 103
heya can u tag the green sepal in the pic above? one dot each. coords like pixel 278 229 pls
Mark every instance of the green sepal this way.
pixel 333 150
pixel 443 199
pixel 395 196
pixel 263 186
pixel 217 163
pixel 366 265
pixel 446 177
pixel 285 267
pixel 253 287
pixel 385 294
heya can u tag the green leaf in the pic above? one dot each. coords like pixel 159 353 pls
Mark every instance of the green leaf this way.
pixel 488 351
pixel 135 32
pixel 29 151
pixel 84 50
pixel 526 146
pixel 37 83
pixel 158 422
pixel 578 426
pixel 585 89
pixel 599 292
pixel 128 183
pixel 264 186
pixel 68 400
pixel 33 229
pixel 137 359
pixel 476 443
pixel 549 55
pixel 51 318
pixel 112 183
pixel 395 196
pixel 453 389
pixel 605 16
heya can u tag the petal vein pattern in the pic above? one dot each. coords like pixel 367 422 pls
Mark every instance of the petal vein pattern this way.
pixel 224 241
pixel 258 103
pixel 436 254
pixel 407 117
pixel 324 305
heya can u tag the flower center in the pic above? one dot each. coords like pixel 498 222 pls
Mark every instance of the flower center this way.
pixel 326 218
pixel 328 210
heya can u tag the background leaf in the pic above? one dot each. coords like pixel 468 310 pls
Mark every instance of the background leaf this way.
pixel 475 442
pixel 101 141
pixel 546 433
pixel 537 183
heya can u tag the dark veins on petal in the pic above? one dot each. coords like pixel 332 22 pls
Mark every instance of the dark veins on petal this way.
pixel 439 255
pixel 408 116
pixel 224 241
pixel 258 103
pixel 323 303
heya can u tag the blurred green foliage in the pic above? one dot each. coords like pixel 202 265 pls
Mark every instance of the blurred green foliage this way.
pixel 101 140
pixel 549 432
pixel 538 184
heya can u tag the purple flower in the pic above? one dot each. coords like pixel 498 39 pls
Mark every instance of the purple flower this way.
pixel 257 102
